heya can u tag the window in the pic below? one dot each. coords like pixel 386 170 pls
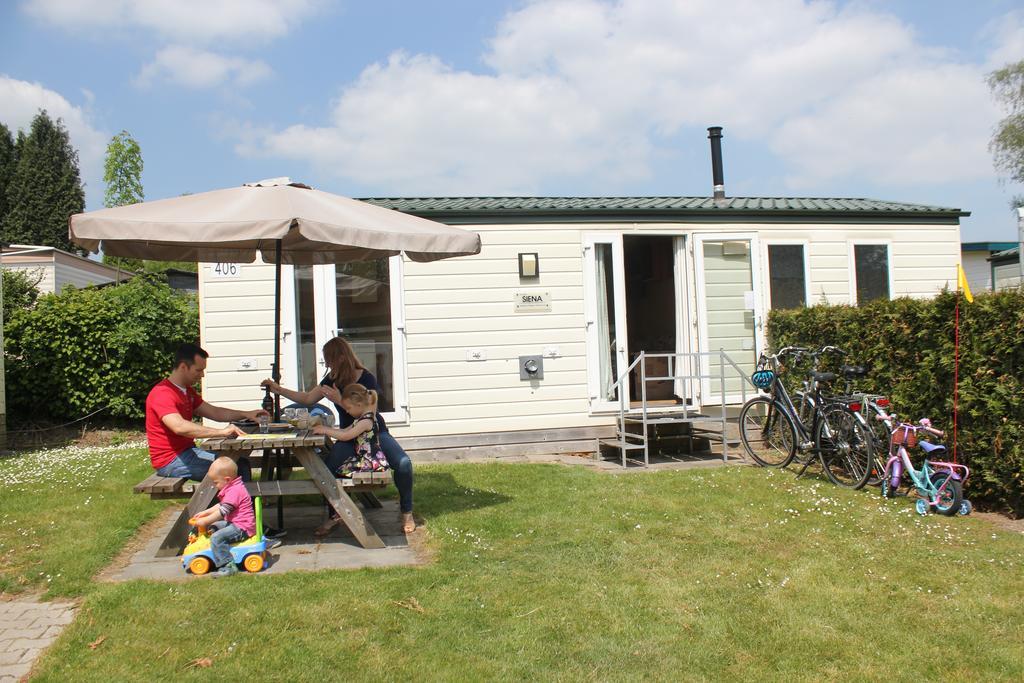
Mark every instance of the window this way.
pixel 786 275
pixel 871 268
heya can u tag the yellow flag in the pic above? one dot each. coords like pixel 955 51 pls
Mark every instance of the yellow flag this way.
pixel 961 282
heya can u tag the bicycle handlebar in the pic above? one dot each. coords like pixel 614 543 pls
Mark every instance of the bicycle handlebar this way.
pixel 924 425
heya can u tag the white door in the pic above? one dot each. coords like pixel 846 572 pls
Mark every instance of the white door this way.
pixel 729 308
pixel 360 301
pixel 364 304
pixel 605 299
pixel 686 388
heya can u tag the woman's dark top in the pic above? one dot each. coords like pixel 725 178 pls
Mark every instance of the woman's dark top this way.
pixel 370 382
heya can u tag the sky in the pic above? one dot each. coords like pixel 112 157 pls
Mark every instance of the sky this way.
pixel 866 98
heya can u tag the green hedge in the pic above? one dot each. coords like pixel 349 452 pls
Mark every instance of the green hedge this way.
pixel 909 346
pixel 84 349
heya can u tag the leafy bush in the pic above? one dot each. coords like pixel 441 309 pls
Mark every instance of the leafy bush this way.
pixel 909 346
pixel 84 349
pixel 20 290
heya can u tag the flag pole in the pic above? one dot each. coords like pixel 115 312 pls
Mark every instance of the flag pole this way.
pixel 961 286
pixel 956 364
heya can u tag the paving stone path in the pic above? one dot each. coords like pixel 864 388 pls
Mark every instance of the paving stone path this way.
pixel 27 627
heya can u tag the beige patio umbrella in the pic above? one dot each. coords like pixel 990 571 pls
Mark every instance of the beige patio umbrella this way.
pixel 284 222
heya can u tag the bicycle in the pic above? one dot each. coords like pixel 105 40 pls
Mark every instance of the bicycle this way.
pixel 941 487
pixel 870 408
pixel 872 411
pixel 772 434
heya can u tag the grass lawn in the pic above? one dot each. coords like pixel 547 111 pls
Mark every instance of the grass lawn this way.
pixel 548 572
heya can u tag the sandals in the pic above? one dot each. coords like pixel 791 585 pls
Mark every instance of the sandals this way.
pixel 327 527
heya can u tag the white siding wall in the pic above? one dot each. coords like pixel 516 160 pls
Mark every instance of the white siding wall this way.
pixel 236 321
pixel 456 305
pixel 1007 276
pixel 35 270
pixel 978 270
pixel 467 303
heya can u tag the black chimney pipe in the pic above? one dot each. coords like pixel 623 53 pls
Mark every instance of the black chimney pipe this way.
pixel 715 135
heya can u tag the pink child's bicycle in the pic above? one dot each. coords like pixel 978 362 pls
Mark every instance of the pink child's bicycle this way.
pixel 939 484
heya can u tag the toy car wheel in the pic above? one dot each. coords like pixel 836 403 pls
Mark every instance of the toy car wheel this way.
pixel 253 563
pixel 200 565
pixel 922 506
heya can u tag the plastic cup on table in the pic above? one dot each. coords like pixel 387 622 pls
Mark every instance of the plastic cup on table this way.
pixel 264 421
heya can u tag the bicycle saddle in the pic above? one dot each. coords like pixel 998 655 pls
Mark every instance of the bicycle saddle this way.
pixel 854 371
pixel 823 376
pixel 929 448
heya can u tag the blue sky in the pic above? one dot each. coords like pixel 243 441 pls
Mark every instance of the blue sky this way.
pixel 553 97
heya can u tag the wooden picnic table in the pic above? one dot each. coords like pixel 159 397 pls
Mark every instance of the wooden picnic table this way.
pixel 321 480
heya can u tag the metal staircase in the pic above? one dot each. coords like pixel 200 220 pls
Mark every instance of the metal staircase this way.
pixel 701 424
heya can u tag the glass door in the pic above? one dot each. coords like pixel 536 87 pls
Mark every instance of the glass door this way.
pixel 363 304
pixel 605 299
pixel 729 307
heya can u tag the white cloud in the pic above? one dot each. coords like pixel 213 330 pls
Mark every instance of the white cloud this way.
pixel 194 68
pixel 188 21
pixel 20 101
pixel 590 90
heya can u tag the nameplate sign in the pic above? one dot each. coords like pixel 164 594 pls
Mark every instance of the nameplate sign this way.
pixel 533 302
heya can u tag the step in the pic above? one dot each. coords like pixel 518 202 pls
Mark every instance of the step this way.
pixel 621 445
pixel 671 419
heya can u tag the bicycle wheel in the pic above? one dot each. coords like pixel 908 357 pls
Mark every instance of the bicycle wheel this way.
pixel 948 502
pixel 767 432
pixel 880 435
pixel 844 447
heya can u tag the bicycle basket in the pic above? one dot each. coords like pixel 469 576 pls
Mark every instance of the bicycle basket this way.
pixel 904 436
pixel 763 379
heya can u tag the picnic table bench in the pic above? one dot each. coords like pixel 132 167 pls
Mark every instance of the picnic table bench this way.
pixel 299 446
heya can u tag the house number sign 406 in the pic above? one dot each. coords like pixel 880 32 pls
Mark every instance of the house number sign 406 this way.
pixel 225 271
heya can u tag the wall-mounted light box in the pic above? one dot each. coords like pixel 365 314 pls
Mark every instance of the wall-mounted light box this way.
pixel 529 265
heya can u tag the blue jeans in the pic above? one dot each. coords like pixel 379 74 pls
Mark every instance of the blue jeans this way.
pixel 398 460
pixel 225 533
pixel 194 463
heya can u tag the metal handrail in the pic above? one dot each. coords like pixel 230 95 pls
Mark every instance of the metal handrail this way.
pixel 723 359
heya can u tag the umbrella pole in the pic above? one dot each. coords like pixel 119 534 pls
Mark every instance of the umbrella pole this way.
pixel 275 366
pixel 276 369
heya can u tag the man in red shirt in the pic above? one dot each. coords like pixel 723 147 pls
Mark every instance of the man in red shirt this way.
pixel 170 431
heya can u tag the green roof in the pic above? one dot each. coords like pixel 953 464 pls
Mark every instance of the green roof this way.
pixel 622 208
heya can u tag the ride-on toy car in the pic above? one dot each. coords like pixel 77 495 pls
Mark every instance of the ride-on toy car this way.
pixel 250 554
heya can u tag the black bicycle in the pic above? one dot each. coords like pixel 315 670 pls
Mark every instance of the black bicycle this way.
pixel 773 435
pixel 871 409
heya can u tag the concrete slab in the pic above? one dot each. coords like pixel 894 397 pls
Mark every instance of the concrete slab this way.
pixel 299 551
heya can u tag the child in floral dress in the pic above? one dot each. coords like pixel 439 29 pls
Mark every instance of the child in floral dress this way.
pixel 361 404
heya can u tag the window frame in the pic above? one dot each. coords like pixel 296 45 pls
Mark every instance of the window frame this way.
pixel 852 264
pixel 805 245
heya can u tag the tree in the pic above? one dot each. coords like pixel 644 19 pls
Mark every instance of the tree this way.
pixel 1007 145
pixel 122 173
pixel 45 189
pixel 7 162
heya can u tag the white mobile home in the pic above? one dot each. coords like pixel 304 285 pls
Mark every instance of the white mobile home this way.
pixel 54 269
pixel 583 283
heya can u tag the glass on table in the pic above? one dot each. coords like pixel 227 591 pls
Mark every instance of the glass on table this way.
pixel 301 418
pixel 264 421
